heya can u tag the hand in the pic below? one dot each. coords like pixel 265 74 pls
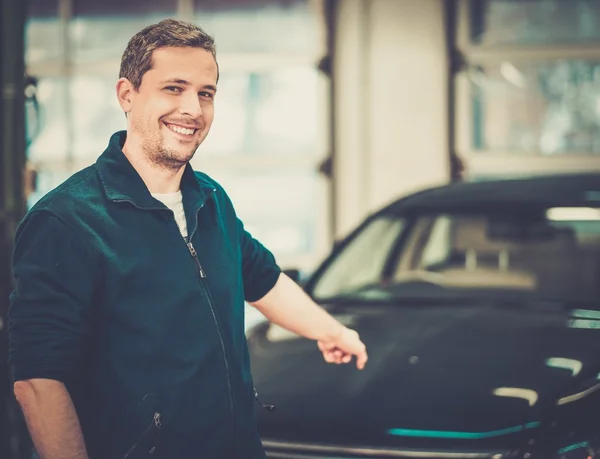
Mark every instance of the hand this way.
pixel 343 347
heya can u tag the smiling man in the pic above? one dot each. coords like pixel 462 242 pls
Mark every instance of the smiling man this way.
pixel 127 322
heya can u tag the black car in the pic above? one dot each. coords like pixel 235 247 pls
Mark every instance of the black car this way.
pixel 479 304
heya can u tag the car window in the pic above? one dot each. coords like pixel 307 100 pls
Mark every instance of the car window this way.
pixel 437 248
pixel 550 256
pixel 362 261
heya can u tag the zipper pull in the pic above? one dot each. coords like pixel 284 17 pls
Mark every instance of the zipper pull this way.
pixel 192 249
pixel 157 420
pixel 269 408
pixel 195 256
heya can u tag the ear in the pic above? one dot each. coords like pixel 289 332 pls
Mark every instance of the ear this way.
pixel 125 94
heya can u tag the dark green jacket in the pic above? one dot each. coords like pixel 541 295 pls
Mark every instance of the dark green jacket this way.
pixel 145 328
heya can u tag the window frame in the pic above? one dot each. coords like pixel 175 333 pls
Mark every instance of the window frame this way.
pixel 483 163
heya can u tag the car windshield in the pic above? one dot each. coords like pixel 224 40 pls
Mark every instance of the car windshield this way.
pixel 551 254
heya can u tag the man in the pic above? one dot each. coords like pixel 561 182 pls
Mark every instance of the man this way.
pixel 126 325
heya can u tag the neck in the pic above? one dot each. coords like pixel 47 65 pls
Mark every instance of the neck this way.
pixel 158 179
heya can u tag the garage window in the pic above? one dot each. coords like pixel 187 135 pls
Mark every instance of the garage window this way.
pixel 527 86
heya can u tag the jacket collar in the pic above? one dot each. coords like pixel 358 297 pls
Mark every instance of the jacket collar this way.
pixel 123 183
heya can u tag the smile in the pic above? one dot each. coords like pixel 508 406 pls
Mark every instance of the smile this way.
pixel 180 129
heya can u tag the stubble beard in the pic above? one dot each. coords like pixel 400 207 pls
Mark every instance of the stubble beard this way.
pixel 160 155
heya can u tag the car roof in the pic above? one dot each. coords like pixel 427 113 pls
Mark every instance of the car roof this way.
pixel 567 190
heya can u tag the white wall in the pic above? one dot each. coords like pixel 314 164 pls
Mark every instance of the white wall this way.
pixel 391 73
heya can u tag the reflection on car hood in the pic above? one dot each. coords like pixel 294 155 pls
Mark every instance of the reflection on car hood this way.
pixel 476 373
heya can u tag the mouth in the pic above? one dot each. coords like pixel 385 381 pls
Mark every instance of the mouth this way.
pixel 182 130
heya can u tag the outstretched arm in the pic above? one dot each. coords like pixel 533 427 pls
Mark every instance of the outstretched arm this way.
pixel 288 306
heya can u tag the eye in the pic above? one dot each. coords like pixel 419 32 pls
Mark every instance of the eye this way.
pixel 173 89
pixel 206 95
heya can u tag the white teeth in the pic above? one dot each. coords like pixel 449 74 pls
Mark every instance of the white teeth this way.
pixel 181 130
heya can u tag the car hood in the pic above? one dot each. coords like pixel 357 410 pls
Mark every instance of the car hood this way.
pixel 460 374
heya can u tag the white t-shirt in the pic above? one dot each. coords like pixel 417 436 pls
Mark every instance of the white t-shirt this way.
pixel 174 201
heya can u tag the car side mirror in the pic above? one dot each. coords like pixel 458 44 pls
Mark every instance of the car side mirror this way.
pixel 293 274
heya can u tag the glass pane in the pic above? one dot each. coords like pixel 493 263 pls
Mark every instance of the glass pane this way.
pixel 502 22
pixel 290 26
pixel 96 114
pixel 101 30
pixel 553 254
pixel 43 39
pixel 285 219
pixel 51 136
pixel 361 263
pixel 274 112
pixel 547 108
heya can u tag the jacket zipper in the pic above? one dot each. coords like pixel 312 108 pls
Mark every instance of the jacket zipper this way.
pixel 204 283
pixel 202 273
pixel 155 423
pixel 212 310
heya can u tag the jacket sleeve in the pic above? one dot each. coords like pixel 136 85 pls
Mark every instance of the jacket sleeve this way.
pixel 50 305
pixel 259 268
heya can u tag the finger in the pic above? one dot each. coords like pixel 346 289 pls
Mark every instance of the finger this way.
pixel 338 356
pixel 347 358
pixel 361 360
pixel 328 356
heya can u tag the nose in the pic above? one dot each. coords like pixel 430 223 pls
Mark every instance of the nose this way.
pixel 190 105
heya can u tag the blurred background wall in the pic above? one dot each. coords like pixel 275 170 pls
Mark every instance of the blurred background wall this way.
pixel 391 103
pixel 327 109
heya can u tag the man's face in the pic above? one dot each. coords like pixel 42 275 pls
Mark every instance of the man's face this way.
pixel 172 111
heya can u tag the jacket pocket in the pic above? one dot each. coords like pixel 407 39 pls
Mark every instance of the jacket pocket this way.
pixel 145 446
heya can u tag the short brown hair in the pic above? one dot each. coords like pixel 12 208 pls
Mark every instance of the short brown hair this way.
pixel 137 58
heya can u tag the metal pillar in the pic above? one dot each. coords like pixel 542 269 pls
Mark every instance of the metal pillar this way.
pixel 12 199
